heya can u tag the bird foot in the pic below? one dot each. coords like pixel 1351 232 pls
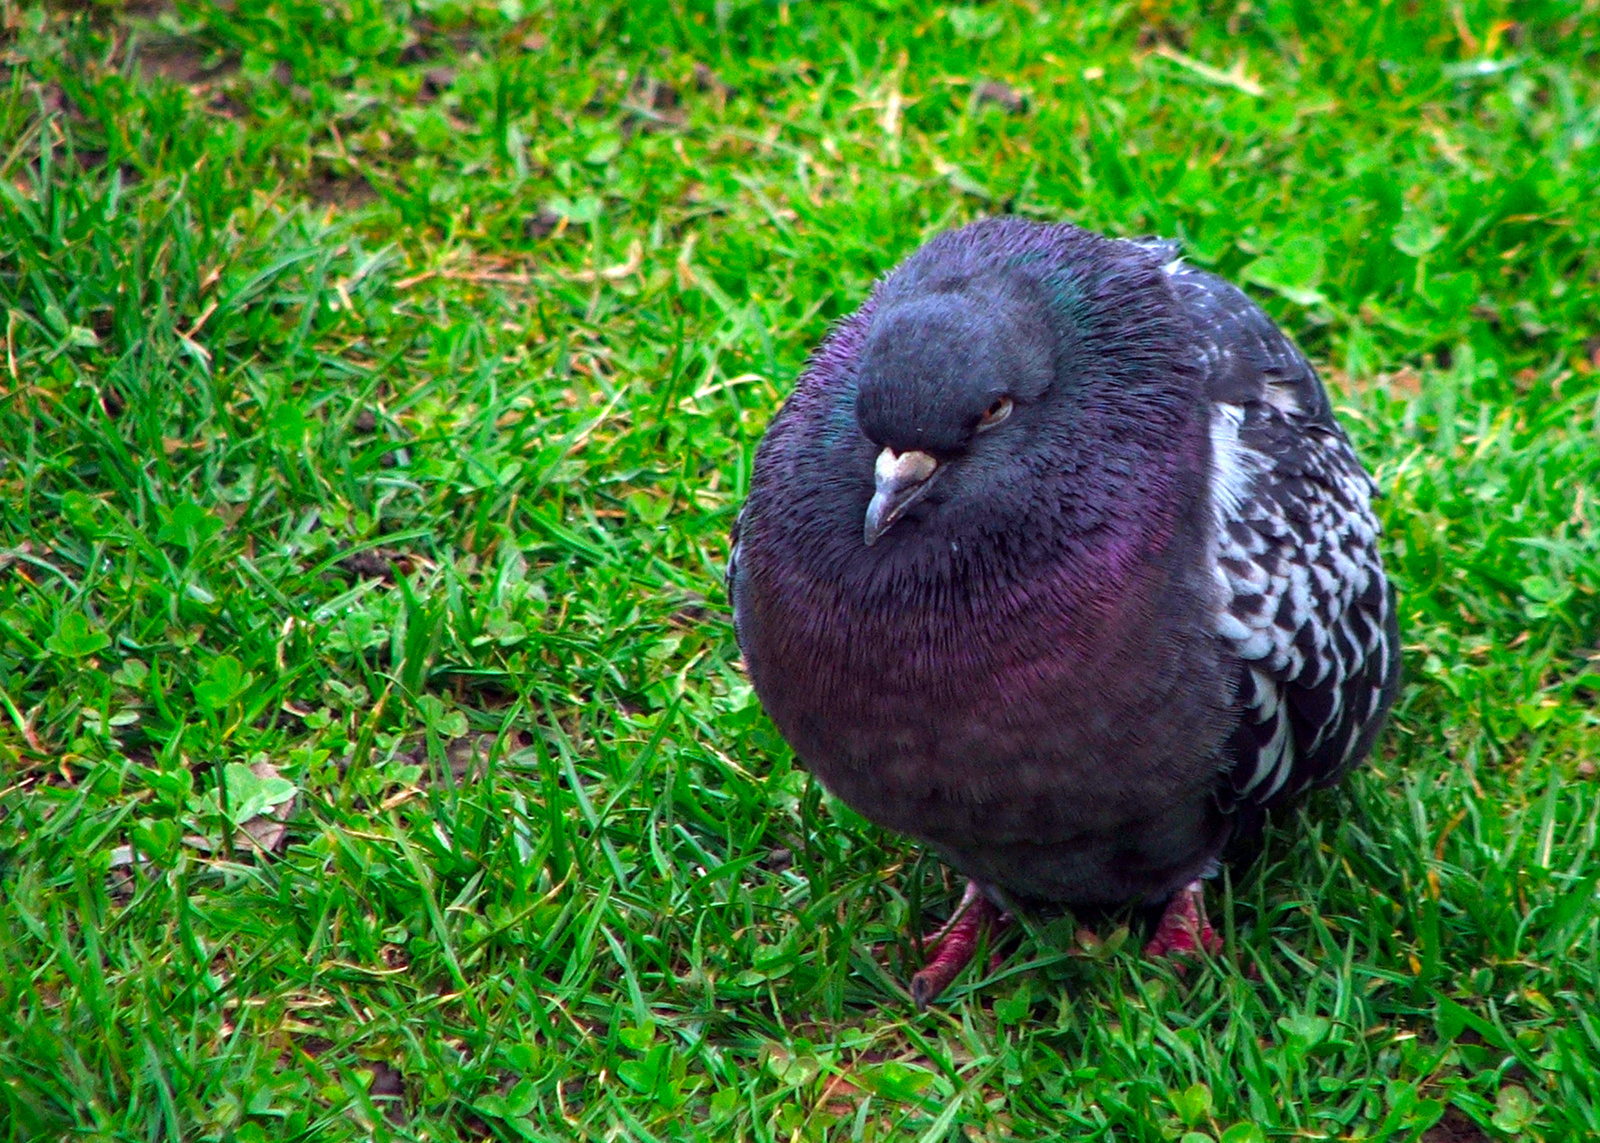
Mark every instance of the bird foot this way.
pixel 1184 929
pixel 950 948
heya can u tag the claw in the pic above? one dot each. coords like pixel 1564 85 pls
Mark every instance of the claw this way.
pixel 950 948
pixel 1184 929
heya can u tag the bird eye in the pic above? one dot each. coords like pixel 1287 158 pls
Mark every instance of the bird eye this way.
pixel 997 412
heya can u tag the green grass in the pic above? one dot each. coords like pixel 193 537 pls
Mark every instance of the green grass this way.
pixel 378 386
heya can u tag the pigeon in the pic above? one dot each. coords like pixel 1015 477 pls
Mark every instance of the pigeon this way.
pixel 1057 559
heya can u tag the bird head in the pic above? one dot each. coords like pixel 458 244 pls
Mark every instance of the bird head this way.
pixel 953 384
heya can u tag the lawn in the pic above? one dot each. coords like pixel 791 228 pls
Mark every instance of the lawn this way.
pixel 379 384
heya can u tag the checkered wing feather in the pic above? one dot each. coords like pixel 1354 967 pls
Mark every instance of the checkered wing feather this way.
pixel 1303 602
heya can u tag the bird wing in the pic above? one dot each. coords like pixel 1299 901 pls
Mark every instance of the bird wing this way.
pixel 1304 604
pixel 731 580
pixel 730 574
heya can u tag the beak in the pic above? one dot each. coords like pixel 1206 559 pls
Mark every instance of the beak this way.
pixel 902 479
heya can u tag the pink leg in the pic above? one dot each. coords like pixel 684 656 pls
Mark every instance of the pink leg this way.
pixel 952 945
pixel 1184 929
